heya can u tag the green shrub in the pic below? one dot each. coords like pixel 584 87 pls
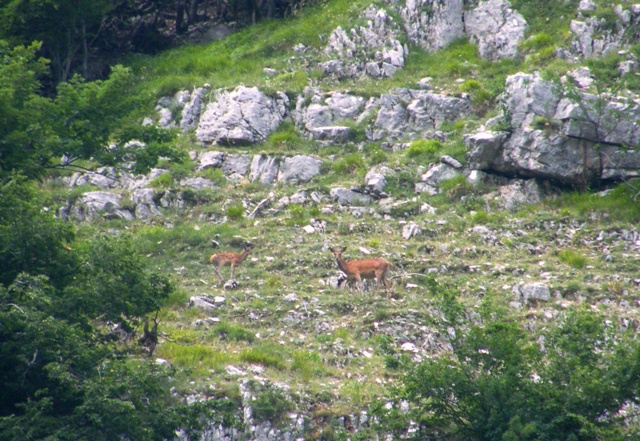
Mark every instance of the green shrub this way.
pixel 351 163
pixel 286 138
pixel 402 183
pixel 271 404
pixel 424 151
pixel 307 364
pixel 504 385
pixel 375 155
pixel 297 215
pixel 266 356
pixel 234 211
pixel 215 175
pixel 457 187
pixel 164 181
pixel 573 258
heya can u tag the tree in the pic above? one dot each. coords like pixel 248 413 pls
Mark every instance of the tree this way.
pixel 64 375
pixel 498 383
pixel 66 28
pixel 85 121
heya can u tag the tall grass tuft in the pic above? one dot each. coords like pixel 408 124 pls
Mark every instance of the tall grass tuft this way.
pixel 573 258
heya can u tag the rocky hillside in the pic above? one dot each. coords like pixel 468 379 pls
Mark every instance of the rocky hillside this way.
pixel 445 136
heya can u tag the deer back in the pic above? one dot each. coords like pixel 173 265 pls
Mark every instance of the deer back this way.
pixel 366 266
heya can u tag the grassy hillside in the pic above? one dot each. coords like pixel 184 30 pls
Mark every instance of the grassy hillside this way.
pixel 339 350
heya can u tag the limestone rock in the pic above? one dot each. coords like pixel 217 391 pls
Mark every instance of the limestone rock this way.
pixel 299 168
pixel 372 49
pixel 495 28
pixel 241 116
pixel 344 196
pixel 566 140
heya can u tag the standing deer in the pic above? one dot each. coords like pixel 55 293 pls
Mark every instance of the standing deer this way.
pixel 234 259
pixel 363 269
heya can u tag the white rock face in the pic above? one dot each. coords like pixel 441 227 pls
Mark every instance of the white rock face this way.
pixel 492 25
pixel 433 24
pixel 299 168
pixel 405 111
pixel 242 116
pixel 496 29
pixel 583 138
pixel 373 50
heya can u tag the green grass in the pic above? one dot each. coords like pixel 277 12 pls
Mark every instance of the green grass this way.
pixel 573 258
pixel 229 331
pixel 241 57
pixel 621 203
pixel 266 355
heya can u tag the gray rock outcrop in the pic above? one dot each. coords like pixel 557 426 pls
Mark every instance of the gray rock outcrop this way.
pixel 413 113
pixel 495 28
pixel 96 204
pixel 373 49
pixel 299 169
pixel 242 116
pixel 344 196
pixel 492 25
pixel 433 24
pixel 570 140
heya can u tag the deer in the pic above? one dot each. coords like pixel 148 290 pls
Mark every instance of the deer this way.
pixel 356 270
pixel 234 259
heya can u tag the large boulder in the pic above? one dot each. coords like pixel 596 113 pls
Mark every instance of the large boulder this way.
pixel 96 204
pixel 264 169
pixel 192 110
pixel 299 169
pixel 344 196
pixel 405 112
pixel 495 28
pixel 570 140
pixel 492 25
pixel 242 116
pixel 373 49
pixel 433 24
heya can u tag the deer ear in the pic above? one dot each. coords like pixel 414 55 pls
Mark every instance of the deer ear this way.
pixel 331 249
pixel 343 249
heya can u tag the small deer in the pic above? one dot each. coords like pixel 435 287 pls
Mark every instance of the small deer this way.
pixel 357 270
pixel 234 259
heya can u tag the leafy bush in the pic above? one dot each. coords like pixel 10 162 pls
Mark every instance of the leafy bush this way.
pixel 215 175
pixel 402 183
pixel 164 181
pixel 505 387
pixel 271 404
pixel 264 355
pixel 234 211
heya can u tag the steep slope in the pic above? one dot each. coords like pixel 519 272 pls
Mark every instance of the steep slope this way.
pixel 390 139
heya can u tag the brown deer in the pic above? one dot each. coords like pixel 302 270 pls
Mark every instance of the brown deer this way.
pixel 357 270
pixel 234 259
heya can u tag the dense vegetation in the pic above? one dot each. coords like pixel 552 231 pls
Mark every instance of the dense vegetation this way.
pixel 85 309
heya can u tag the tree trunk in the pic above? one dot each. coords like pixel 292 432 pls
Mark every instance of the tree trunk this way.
pixel 180 24
pixel 192 13
pixel 85 51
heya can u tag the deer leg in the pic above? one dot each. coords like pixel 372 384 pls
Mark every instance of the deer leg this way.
pixel 215 268
pixel 359 283
pixel 233 272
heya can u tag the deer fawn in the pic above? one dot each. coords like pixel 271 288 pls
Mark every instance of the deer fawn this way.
pixel 234 259
pixel 363 269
